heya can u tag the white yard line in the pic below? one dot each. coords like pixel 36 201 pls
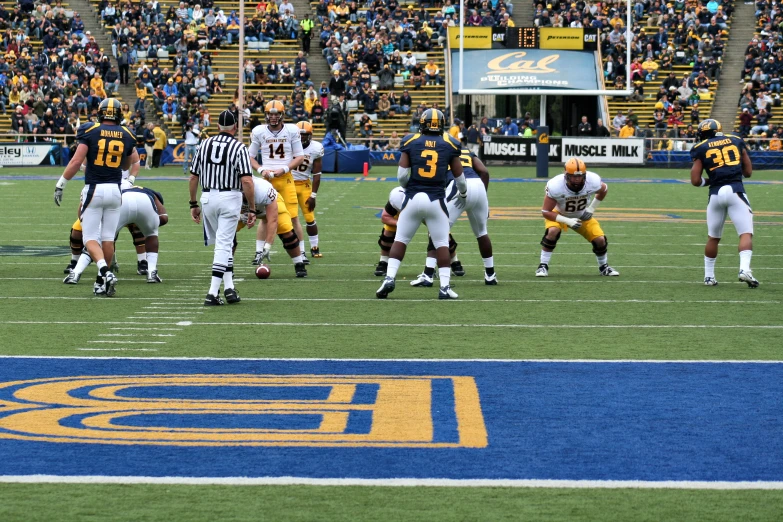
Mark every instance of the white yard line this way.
pixel 397 482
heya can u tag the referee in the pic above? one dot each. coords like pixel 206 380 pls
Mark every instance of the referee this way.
pixel 223 165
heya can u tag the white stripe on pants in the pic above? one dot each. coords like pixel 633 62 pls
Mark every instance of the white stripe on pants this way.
pixel 418 209
pixel 221 214
pixel 727 202
pixel 102 212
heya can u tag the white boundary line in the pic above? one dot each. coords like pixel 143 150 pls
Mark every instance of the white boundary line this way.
pixel 326 359
pixel 395 482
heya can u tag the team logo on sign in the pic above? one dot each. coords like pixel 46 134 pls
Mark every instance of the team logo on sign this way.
pixel 506 64
pixel 246 410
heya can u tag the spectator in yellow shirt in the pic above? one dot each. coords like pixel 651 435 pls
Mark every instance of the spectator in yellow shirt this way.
pixel 650 66
pixel 433 73
pixel 97 83
pixel 628 131
pixel 160 144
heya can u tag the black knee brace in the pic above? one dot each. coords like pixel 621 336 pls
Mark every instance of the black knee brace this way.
pixel 385 242
pixel 452 245
pixel 138 237
pixel 77 243
pixel 548 243
pixel 600 251
pixel 290 240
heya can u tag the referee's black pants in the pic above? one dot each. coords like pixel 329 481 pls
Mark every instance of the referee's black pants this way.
pixel 156 154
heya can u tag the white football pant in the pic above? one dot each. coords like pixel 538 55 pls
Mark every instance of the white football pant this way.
pixel 420 209
pixel 137 208
pixel 735 205
pixel 220 215
pixel 477 207
pixel 100 211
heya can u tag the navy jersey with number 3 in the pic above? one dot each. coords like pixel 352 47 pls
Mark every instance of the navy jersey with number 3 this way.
pixel 430 156
pixel 107 145
pixel 721 157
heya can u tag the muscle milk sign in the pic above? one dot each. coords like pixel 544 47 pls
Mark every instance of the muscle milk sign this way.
pixel 628 151
pixel 513 148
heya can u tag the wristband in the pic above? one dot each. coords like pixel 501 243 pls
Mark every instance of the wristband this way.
pixel 313 194
pixel 286 170
pixel 194 204
pixel 704 182
pixel 61 182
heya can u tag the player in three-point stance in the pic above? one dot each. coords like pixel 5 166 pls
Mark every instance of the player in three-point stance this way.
pixel 423 170
pixel 566 205
pixel 477 208
pixel 280 145
pixel 109 148
pixel 307 179
pixel 726 160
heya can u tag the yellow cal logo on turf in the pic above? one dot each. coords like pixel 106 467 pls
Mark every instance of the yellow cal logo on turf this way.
pixel 128 410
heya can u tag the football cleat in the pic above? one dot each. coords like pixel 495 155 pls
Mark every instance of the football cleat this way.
pixel 490 279
pixel 380 270
pixel 386 288
pixel 456 267
pixel 608 271
pixel 110 284
pixel 154 277
pixel 315 252
pixel 70 267
pixel 98 289
pixel 257 258
pixel 72 278
pixel 142 268
pixel 542 270
pixel 212 300
pixel 447 293
pixel 710 281
pixel 422 280
pixel 747 277
pixel 304 259
pixel 231 296
pixel 300 270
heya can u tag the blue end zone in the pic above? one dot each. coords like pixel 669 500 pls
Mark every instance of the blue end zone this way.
pixel 365 419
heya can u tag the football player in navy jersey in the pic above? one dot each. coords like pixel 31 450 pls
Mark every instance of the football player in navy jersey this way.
pixel 477 208
pixel 109 148
pixel 424 173
pixel 726 160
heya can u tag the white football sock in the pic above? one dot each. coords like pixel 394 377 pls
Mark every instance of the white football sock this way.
pixel 260 245
pixel 394 265
pixel 745 256
pixel 141 257
pixel 228 275
pixel 709 266
pixel 385 258
pixel 454 258
pixel 214 287
pixel 301 246
pixel 545 257
pixel 431 262
pixel 601 260
pixel 298 259
pixel 444 274
pixel 84 262
pixel 489 262
pixel 152 261
pixel 100 264
pixel 313 241
pixel 75 257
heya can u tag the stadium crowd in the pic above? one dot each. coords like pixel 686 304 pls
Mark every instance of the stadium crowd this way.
pixel 760 77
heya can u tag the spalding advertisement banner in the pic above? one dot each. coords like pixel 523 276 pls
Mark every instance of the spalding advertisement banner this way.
pixel 29 154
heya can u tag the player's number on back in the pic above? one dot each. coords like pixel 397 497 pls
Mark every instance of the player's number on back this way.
pixel 466 160
pixel 728 155
pixel 109 155
pixel 280 151
pixel 432 164
pixel 576 205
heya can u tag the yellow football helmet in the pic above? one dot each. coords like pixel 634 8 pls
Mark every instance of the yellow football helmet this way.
pixel 306 131
pixel 576 174
pixel 274 112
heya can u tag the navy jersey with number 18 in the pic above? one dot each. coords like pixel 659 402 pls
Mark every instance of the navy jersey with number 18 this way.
pixel 430 156
pixel 107 145
pixel 721 157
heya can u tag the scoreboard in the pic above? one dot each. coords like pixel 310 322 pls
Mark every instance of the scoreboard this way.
pixel 561 38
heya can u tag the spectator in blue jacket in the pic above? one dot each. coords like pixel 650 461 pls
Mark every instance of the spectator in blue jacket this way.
pixel 509 128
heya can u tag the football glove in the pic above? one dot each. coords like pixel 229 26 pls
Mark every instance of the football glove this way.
pixel 58 196
pixel 571 222
pixel 590 210
pixel 461 200
pixel 266 253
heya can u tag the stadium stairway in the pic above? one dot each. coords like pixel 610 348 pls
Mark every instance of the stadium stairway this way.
pixel 743 27
pixel 92 22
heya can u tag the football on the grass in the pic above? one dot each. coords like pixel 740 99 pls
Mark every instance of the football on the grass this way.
pixel 262 272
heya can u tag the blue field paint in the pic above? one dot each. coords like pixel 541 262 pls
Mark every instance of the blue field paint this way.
pixel 365 419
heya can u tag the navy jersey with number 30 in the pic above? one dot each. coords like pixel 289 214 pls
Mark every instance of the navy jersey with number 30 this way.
pixel 721 157
pixel 107 145
pixel 430 156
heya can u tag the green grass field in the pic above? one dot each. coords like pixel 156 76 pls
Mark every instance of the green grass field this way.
pixel 657 309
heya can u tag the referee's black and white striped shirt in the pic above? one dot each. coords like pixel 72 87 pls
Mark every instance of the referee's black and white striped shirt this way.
pixel 220 163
